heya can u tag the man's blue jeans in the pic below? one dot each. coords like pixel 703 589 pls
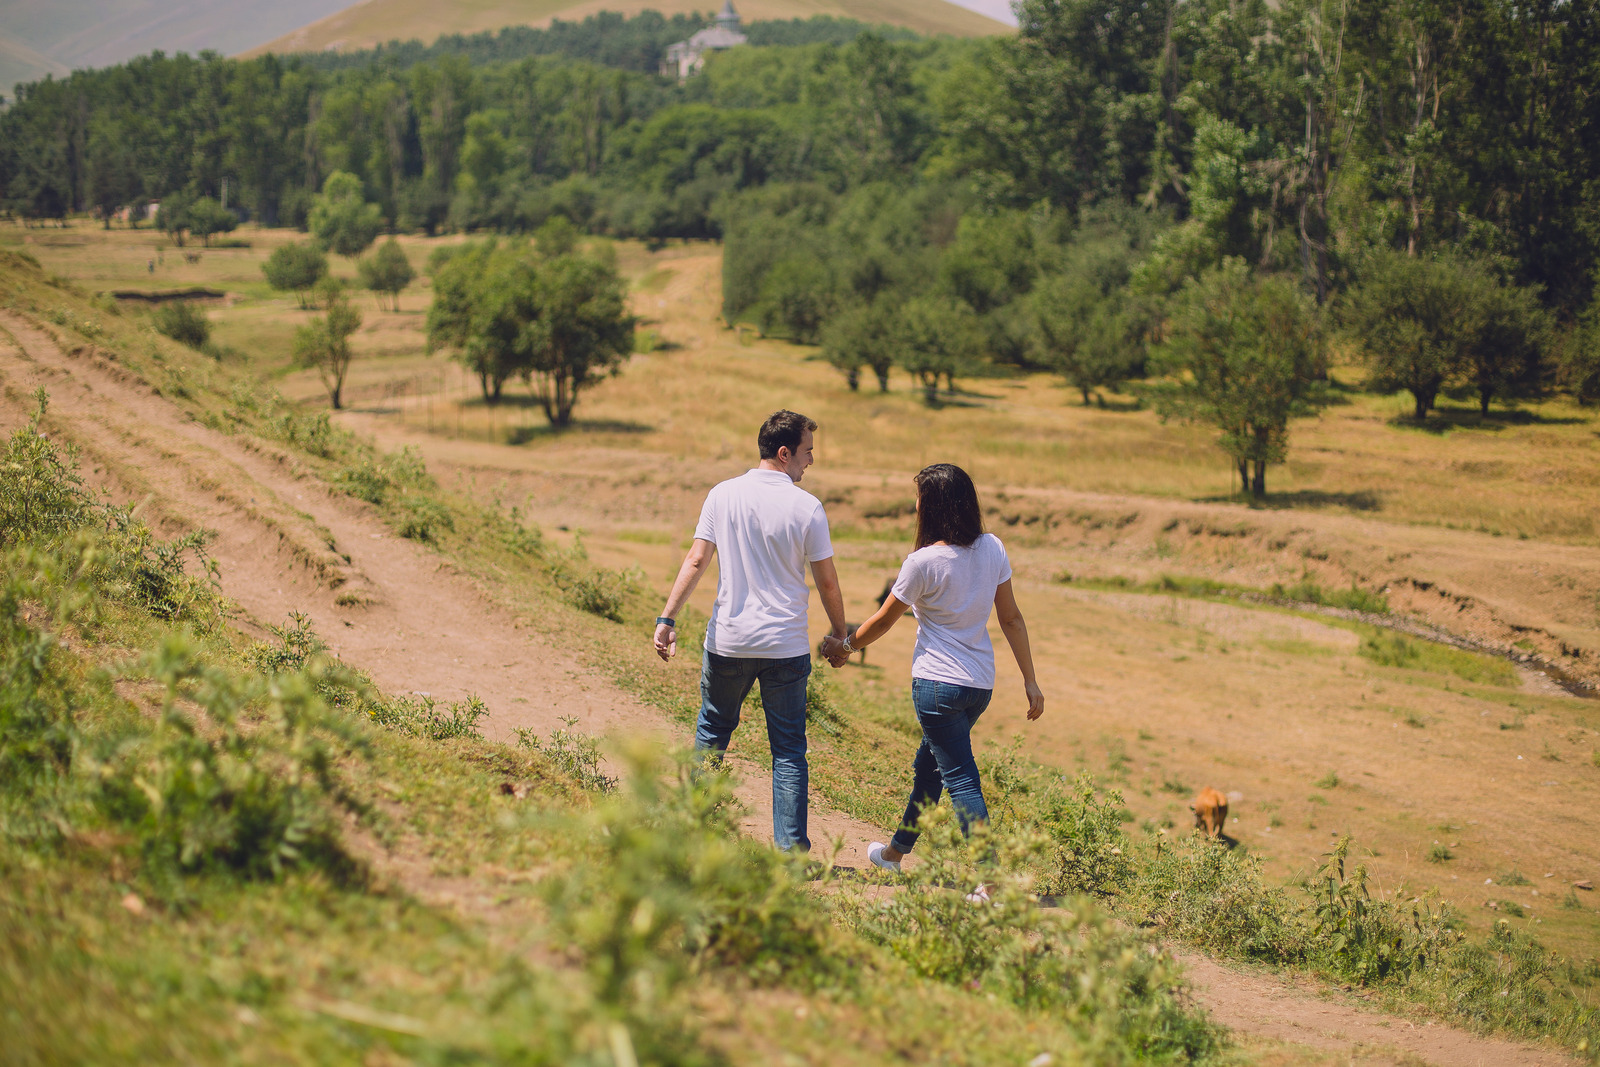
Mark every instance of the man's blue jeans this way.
pixel 944 759
pixel 724 683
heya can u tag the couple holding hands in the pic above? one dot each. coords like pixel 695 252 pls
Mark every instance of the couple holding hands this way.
pixel 767 529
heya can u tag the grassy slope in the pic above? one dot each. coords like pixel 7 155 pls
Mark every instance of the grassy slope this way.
pixel 379 21
pixel 461 942
pixel 861 769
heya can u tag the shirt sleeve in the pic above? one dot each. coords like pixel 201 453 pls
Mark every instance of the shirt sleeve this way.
pixel 908 587
pixel 819 545
pixel 706 528
pixel 1003 568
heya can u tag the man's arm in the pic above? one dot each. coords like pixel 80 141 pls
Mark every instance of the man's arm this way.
pixel 827 579
pixel 694 567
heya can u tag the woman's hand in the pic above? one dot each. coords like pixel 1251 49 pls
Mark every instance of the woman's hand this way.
pixel 1035 700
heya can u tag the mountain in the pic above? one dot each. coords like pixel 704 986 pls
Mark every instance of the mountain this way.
pixel 372 22
pixel 55 36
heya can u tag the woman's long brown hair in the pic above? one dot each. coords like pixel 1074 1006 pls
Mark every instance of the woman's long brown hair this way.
pixel 947 506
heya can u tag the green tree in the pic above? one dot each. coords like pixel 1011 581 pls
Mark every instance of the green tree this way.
pixel 583 330
pixel 1510 335
pixel 207 217
pixel 387 270
pixel 864 335
pixel 296 266
pixel 1245 352
pixel 1579 355
pixel 939 337
pixel 323 344
pixel 482 297
pixel 1090 337
pixel 1415 320
pixel 342 219
pixel 172 217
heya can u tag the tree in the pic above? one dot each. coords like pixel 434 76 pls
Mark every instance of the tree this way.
pixel 296 266
pixel 1510 334
pixel 1245 352
pixel 387 270
pixel 207 216
pixel 865 335
pixel 583 331
pixel 1579 353
pixel 478 311
pixel 1090 337
pixel 939 337
pixel 341 218
pixel 172 218
pixel 324 342
pixel 1415 319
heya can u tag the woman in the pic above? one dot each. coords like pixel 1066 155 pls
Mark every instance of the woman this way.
pixel 956 572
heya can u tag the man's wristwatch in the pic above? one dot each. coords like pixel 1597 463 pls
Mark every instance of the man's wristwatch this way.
pixel 662 620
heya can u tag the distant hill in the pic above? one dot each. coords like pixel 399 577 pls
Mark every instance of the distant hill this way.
pixel 39 37
pixel 374 22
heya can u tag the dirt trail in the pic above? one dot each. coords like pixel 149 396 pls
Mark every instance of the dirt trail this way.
pixel 285 542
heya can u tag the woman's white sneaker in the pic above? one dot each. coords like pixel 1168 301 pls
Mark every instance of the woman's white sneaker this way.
pixel 875 854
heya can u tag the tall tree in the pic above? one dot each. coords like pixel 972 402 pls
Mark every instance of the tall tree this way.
pixel 342 219
pixel 1245 353
pixel 323 344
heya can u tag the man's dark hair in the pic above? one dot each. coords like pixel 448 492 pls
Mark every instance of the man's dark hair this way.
pixel 783 429
pixel 947 506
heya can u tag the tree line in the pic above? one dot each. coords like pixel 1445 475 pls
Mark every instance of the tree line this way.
pixel 1202 196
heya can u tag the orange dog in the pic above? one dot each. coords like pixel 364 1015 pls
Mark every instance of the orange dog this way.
pixel 1210 812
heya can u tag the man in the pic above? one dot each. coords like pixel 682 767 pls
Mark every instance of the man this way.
pixel 767 529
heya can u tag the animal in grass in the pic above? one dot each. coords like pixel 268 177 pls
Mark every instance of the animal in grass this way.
pixel 1210 812
pixel 851 626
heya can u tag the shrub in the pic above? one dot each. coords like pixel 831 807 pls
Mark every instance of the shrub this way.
pixel 1438 853
pixel 184 322
pixel 666 886
pixel 574 754
pixel 421 716
pixel 1074 961
pixel 423 519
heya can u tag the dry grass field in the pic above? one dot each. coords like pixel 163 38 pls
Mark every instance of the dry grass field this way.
pixel 1487 528
pixel 374 22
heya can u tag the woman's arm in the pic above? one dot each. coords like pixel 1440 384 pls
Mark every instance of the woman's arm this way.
pixel 1016 631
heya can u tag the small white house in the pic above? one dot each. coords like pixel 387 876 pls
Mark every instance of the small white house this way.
pixel 687 57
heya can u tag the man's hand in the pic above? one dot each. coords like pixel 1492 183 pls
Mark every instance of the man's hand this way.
pixel 1035 700
pixel 833 651
pixel 666 641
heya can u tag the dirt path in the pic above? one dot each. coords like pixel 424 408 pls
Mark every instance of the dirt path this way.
pixel 285 542
pixel 1276 1010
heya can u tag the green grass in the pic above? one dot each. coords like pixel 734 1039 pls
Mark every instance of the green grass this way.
pixel 1303 592
pixel 1387 649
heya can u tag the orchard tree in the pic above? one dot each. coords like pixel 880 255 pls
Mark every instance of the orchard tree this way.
pixel 1509 337
pixel 1245 352
pixel 1412 315
pixel 296 266
pixel 865 335
pixel 583 331
pixel 207 216
pixel 939 337
pixel 478 312
pixel 172 217
pixel 387 270
pixel 342 219
pixel 1090 337
pixel 323 344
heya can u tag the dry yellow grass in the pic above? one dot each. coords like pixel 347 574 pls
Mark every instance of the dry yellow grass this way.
pixel 1164 695
pixel 373 22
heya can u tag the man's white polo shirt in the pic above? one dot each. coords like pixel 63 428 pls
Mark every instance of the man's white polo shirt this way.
pixel 766 529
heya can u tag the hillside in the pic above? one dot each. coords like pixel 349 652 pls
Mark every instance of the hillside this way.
pixel 64 35
pixel 374 22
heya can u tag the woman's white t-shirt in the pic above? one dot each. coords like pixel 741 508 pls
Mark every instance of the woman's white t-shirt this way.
pixel 951 590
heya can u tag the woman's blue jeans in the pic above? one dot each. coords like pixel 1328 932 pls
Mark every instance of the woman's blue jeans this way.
pixel 724 683
pixel 944 759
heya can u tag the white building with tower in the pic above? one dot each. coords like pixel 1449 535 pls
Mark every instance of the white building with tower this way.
pixel 687 57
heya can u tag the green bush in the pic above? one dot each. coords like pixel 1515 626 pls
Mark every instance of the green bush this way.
pixel 1073 961
pixel 1438 853
pixel 574 754
pixel 421 716
pixel 183 322
pixel 422 519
